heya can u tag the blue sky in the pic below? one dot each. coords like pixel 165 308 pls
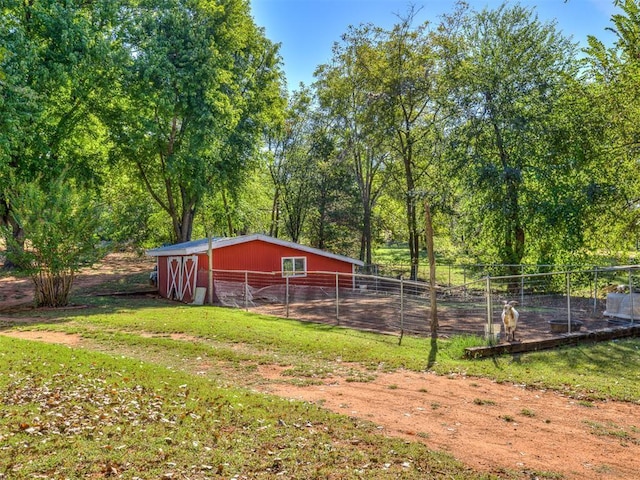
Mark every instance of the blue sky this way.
pixel 307 29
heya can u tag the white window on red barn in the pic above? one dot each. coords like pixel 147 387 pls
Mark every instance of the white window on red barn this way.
pixel 294 266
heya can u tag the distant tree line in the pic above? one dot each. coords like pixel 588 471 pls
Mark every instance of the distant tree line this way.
pixel 490 130
pixel 161 120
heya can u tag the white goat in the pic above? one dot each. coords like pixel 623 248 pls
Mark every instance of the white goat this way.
pixel 510 319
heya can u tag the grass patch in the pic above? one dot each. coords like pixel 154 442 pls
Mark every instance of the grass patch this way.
pixel 309 371
pixel 84 414
pixel 304 382
pixel 358 376
pixel 584 372
pixel 625 434
pixel 155 349
pixel 479 401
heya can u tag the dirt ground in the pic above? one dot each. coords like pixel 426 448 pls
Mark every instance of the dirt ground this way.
pixel 17 293
pixel 489 426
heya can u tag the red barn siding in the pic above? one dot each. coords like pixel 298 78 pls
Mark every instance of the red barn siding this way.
pixel 261 256
pixel 258 256
pixel 163 273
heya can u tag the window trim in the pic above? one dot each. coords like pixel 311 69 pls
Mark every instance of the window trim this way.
pixel 294 272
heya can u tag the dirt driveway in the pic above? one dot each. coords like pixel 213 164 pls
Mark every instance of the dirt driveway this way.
pixel 489 426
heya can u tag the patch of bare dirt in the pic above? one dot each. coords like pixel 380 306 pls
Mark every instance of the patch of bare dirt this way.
pixel 489 426
pixel 17 292
pixel 50 337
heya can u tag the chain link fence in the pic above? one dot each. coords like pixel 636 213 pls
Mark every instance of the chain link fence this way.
pixel 548 303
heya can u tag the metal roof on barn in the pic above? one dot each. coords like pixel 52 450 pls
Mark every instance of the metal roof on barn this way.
pixel 201 246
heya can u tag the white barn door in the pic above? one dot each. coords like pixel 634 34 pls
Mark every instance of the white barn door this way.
pixel 181 277
pixel 189 274
pixel 174 278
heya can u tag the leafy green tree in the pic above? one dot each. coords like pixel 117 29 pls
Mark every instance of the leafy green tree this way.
pixel 615 74
pixel 56 63
pixel 290 166
pixel 201 82
pixel 333 197
pixel 514 77
pixel 346 88
pixel 130 219
pixel 297 190
pixel 243 210
pixel 60 225
pixel 410 105
pixel 385 88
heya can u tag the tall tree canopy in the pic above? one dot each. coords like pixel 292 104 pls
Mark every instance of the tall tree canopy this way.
pixel 514 75
pixel 410 102
pixel 290 166
pixel 616 80
pixel 383 89
pixel 56 62
pixel 346 89
pixel 200 84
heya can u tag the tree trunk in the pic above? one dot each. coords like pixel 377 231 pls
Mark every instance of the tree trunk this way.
pixel 514 234
pixel 515 238
pixel 275 214
pixel 366 236
pixel 322 219
pixel 412 221
pixel 414 238
pixel 52 290
pixel 17 233
pixel 227 213
pixel 186 225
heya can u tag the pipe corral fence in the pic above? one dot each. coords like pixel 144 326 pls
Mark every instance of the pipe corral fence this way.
pixel 549 304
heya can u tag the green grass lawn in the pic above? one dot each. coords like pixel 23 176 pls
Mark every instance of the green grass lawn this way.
pixel 133 404
pixel 584 370
pixel 71 413
pixel 395 260
pixel 79 414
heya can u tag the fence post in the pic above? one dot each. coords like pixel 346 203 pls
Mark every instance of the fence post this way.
pixel 568 302
pixel 337 297
pixel 401 307
pixel 464 280
pixel 489 306
pixel 631 293
pixel 246 290
pixel 286 295
pixel 595 288
pixel 522 285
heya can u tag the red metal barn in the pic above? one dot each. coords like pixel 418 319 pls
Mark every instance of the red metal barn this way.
pixel 257 259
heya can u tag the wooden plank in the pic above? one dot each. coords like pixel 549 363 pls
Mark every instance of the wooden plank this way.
pixel 563 340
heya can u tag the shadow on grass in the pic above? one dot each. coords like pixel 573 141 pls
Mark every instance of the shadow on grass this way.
pixel 80 306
